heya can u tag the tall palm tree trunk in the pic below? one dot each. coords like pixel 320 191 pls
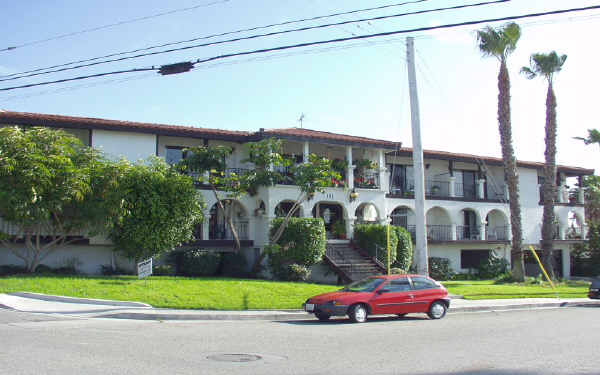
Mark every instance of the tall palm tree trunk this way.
pixel 548 227
pixel 510 171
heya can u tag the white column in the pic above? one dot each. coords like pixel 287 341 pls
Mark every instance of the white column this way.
pixel 506 195
pixel 452 187
pixel 350 227
pixel 349 168
pixel 205 226
pixel 580 196
pixel 453 233
pixel 382 170
pixel 306 152
pixel 566 263
pixel 481 188
pixel 482 233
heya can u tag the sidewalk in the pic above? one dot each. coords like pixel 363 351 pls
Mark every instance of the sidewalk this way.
pixel 89 308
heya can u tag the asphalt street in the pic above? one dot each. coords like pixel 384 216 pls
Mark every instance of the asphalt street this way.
pixel 543 341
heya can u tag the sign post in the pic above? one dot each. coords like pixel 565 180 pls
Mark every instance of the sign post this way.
pixel 144 268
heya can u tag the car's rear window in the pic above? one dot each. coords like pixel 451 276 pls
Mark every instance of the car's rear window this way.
pixel 423 283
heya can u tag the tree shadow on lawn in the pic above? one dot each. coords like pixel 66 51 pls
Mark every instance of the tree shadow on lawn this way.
pixel 345 320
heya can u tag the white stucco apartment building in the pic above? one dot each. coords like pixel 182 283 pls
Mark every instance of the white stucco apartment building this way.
pixel 466 197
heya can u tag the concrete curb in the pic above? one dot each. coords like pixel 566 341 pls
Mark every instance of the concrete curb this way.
pixel 522 306
pixel 50 298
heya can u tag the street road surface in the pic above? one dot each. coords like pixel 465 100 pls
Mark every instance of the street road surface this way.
pixel 548 341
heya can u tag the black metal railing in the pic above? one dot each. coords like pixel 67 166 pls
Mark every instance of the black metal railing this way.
pixel 367 180
pixel 434 188
pixel 499 233
pixel 468 233
pixel 439 232
pixel 222 231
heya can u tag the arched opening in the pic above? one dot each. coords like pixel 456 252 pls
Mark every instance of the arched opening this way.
pixel 282 209
pixel 366 213
pixel 575 230
pixel 218 229
pixel 404 217
pixel 439 225
pixel 333 217
pixel 496 226
pixel 470 227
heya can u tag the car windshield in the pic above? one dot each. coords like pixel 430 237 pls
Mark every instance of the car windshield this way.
pixel 366 285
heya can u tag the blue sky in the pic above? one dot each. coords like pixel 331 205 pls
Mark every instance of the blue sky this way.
pixel 357 88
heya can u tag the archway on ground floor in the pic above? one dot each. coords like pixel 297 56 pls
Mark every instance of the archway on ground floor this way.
pixel 282 209
pixel 469 225
pixel 404 216
pixel 333 215
pixel 439 224
pixel 217 223
pixel 366 213
pixel 496 226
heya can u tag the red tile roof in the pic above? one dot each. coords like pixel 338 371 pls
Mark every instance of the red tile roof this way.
pixel 327 137
pixel 469 158
pixel 60 121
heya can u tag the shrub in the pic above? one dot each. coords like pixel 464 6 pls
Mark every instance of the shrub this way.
pixel 302 242
pixel 199 262
pixel 404 250
pixel 506 277
pixel 296 272
pixel 163 270
pixel 234 265
pixel 107 270
pixel 372 238
pixel 397 271
pixel 492 267
pixel 439 268
pixel 9 269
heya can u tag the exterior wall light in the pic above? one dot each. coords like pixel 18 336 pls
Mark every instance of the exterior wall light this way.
pixel 353 195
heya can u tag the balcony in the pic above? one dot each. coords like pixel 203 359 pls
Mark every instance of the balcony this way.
pixel 367 180
pixel 468 233
pixel 497 233
pixel 437 189
pixel 222 231
pixel 439 233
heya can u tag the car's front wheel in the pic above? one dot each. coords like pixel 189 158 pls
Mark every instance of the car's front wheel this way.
pixel 437 310
pixel 358 314
pixel 322 317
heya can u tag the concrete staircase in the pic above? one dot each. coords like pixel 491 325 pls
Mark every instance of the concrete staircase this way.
pixel 348 263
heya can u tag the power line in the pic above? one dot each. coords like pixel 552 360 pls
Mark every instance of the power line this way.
pixel 11 48
pixel 219 35
pixel 256 36
pixel 322 42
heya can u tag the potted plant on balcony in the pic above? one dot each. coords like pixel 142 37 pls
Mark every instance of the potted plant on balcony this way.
pixel 338 229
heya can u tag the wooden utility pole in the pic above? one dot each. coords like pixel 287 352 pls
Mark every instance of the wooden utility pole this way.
pixel 421 253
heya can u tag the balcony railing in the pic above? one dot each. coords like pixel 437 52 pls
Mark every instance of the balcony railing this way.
pixel 434 188
pixel 222 231
pixel 497 233
pixel 367 180
pixel 468 233
pixel 575 233
pixel 439 232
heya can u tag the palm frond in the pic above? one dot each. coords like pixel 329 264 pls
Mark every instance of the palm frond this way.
pixel 528 72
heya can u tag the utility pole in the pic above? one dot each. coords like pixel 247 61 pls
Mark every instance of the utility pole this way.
pixel 421 252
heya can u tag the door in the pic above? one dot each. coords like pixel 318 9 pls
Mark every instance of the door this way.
pixel 469 184
pixel 425 292
pixel 395 297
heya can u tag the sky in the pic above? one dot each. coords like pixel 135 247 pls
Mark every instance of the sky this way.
pixel 357 87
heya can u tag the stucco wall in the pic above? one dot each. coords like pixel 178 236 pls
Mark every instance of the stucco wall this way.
pixel 132 146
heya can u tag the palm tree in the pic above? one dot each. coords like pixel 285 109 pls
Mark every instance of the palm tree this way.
pixel 500 43
pixel 546 65
pixel 593 137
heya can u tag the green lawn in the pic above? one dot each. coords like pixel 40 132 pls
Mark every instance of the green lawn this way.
pixel 239 294
pixel 488 290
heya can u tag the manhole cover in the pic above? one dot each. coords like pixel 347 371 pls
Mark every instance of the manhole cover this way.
pixel 234 357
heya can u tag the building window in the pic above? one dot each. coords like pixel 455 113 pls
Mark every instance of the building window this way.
pixel 473 258
pixel 174 155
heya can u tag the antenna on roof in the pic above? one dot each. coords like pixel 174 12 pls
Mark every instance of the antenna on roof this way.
pixel 301 119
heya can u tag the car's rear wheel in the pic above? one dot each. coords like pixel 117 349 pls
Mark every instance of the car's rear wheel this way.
pixel 437 310
pixel 322 316
pixel 358 313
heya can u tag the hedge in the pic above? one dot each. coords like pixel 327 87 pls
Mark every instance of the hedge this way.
pixel 404 256
pixel 372 238
pixel 303 240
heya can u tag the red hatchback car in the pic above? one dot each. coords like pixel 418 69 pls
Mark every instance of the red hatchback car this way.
pixel 395 294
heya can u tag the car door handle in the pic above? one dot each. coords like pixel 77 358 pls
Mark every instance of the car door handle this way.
pixel 411 295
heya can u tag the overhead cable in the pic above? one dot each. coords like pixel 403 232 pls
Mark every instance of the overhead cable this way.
pixel 256 36
pixel 11 48
pixel 338 40
pixel 219 35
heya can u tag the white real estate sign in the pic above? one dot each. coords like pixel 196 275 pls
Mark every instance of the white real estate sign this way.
pixel 144 268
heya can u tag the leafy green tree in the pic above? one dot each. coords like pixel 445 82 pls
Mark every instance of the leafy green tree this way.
pixel 591 184
pixel 546 66
pixel 593 137
pixel 501 43
pixel 160 208
pixel 209 165
pixel 49 188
